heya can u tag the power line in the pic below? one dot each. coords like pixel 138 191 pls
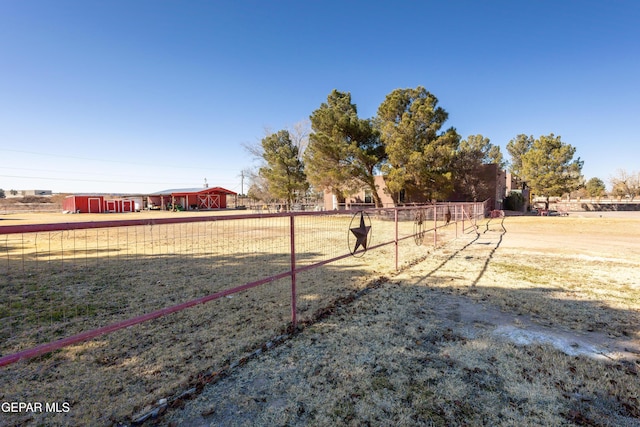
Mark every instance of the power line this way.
pixel 227 185
pixel 75 172
pixel 92 180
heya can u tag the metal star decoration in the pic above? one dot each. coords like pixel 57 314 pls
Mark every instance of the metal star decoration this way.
pixel 361 233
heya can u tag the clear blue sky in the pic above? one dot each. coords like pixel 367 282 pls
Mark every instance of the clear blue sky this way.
pixel 144 95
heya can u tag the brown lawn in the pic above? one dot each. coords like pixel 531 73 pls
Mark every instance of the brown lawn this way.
pixel 534 321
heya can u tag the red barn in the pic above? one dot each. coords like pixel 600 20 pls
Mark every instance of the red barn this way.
pixel 190 199
pixel 120 205
pixel 83 204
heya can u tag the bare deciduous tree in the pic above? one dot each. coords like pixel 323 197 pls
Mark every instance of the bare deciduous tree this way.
pixel 625 184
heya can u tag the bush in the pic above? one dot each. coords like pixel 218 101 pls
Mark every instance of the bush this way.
pixel 35 199
pixel 514 201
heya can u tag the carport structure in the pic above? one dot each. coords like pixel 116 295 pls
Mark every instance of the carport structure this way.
pixel 190 199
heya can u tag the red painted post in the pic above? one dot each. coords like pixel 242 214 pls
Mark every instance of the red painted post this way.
pixel 294 310
pixel 435 225
pixel 455 216
pixel 395 216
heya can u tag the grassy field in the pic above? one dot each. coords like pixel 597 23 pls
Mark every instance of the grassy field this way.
pixel 534 321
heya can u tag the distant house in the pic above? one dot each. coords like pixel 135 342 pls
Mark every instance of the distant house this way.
pixel 515 185
pixel 26 193
pixel 190 199
pixel 37 193
pixel 362 198
pixel 493 187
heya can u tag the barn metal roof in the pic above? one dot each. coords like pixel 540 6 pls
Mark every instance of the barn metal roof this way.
pixel 193 191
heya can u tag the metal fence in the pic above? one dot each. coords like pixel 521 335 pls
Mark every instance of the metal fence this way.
pixel 76 289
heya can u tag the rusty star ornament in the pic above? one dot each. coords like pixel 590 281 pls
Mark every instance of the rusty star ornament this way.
pixel 361 233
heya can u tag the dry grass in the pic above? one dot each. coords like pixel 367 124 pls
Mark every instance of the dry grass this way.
pixel 410 352
pixel 58 284
pixel 419 349
pixel 373 365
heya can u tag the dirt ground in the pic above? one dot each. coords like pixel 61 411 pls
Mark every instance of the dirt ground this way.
pixel 535 321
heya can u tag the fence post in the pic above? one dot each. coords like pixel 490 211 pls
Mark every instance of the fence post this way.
pixel 395 218
pixel 435 225
pixel 455 218
pixel 294 310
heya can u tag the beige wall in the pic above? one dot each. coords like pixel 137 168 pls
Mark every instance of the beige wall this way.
pixel 359 198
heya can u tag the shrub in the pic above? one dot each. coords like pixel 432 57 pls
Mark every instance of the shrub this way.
pixel 514 201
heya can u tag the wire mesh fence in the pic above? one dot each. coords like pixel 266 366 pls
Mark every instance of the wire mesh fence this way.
pixel 121 304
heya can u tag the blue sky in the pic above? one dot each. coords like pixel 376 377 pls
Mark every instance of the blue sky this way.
pixel 144 95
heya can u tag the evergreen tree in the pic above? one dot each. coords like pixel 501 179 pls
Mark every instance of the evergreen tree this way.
pixel 344 151
pixel 419 154
pixel 595 187
pixel 483 149
pixel 517 148
pixel 549 169
pixel 283 169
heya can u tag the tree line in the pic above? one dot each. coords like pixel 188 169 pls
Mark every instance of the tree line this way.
pixel 406 142
pixel 623 184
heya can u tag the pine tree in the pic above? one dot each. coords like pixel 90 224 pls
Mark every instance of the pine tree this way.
pixel 283 170
pixel 344 151
pixel 549 169
pixel 419 154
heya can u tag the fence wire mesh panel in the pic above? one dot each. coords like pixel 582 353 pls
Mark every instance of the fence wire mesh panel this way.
pixel 63 282
pixel 255 273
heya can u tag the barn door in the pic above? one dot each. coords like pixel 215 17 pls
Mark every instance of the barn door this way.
pixel 94 205
pixel 209 201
